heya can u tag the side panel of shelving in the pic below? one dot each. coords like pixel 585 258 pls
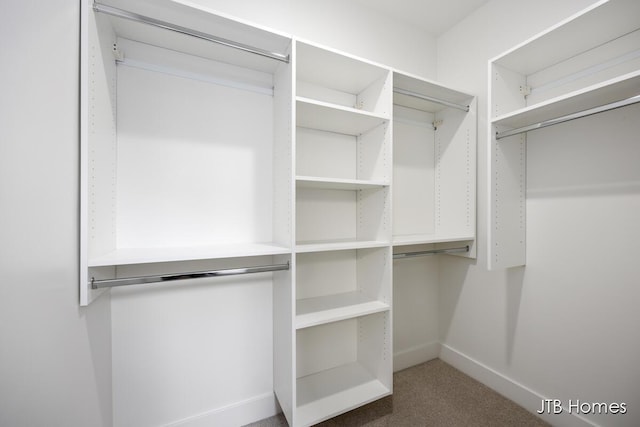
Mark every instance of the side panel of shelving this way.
pixel 507 194
pixel 284 338
pixel 284 295
pixel 455 152
pixel 98 145
pixel 507 174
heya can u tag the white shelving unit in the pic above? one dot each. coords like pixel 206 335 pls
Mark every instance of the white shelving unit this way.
pixel 434 155
pixel 199 155
pixel 544 81
pixel 343 256
pixel 170 169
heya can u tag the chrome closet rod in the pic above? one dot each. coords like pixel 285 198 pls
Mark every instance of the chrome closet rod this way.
pixel 431 252
pixel 120 13
pixel 431 99
pixel 580 114
pixel 109 283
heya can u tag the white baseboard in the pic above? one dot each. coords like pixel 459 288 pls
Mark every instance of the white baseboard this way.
pixel 234 415
pixel 523 396
pixel 415 355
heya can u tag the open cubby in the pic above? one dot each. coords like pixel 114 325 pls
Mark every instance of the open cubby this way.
pixel 171 170
pixel 434 156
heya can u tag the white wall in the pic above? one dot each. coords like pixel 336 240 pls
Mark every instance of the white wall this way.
pixel 343 25
pixel 565 326
pixel 198 355
pixel 55 357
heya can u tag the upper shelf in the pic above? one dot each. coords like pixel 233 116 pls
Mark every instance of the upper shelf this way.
pixel 337 71
pixel 126 256
pixel 337 183
pixel 600 23
pixel 404 83
pixel 335 118
pixel 607 92
pixel 197 20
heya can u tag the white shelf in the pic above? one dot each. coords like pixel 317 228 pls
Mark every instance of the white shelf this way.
pixel 335 391
pixel 337 183
pixel 151 255
pixel 335 70
pixel 612 90
pixel 427 88
pixel 419 239
pixel 199 19
pixel 338 245
pixel 332 308
pixel 335 118
pixel 590 28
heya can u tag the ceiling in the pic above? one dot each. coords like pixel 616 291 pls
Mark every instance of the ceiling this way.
pixel 434 16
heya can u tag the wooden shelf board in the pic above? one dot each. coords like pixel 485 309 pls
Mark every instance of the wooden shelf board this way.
pixel 612 90
pixel 427 88
pixel 332 308
pixel 335 118
pixel 206 21
pixel 418 239
pixel 338 245
pixel 126 256
pixel 587 29
pixel 335 391
pixel 336 70
pixel 337 183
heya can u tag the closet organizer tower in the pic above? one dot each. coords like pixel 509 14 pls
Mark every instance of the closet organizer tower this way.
pixel 213 147
pixel 546 81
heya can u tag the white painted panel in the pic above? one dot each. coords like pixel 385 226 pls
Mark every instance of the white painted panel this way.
pixel 617 57
pixel 326 346
pixel 455 151
pixel 340 72
pixel 416 307
pixel 335 391
pixel 325 214
pixel 374 153
pixel 190 171
pixel 377 96
pixel 506 90
pixel 325 154
pixel 375 346
pixel 284 338
pixel 100 144
pixel 507 226
pixel 166 335
pixel 198 18
pixel 413 179
pixel 326 273
pixel 374 274
pixel 612 19
pixel 283 157
pixel 374 214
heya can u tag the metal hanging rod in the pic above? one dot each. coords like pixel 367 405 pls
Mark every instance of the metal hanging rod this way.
pixel 120 13
pixel 431 99
pixel 431 252
pixel 110 283
pixel 569 117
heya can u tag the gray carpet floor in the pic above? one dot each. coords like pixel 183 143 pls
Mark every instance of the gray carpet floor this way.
pixel 431 394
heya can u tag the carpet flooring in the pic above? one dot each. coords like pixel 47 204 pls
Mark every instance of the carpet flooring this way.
pixel 431 394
